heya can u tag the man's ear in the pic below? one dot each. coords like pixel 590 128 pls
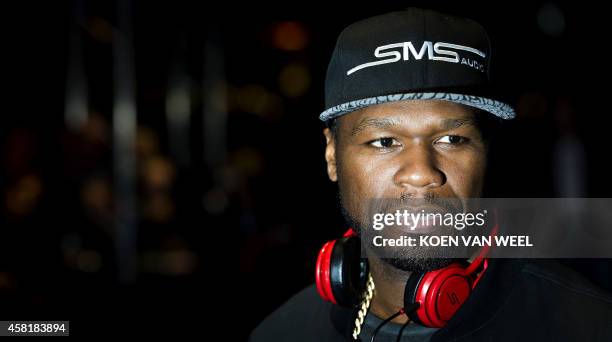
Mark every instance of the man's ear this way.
pixel 330 155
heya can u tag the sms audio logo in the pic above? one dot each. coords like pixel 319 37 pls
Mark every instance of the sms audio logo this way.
pixel 444 52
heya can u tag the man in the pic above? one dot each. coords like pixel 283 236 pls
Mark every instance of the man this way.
pixel 409 117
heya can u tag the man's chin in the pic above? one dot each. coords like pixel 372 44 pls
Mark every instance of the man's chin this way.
pixel 418 264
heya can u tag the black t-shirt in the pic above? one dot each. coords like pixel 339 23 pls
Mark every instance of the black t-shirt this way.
pixel 516 300
pixel 390 331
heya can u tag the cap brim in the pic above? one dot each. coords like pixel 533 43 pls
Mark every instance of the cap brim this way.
pixel 494 107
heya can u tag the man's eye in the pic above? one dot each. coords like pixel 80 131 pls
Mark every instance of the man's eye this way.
pixel 384 143
pixel 452 139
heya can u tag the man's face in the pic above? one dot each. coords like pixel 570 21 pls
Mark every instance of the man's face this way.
pixel 425 149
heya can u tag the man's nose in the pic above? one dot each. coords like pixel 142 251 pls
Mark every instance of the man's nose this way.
pixel 418 169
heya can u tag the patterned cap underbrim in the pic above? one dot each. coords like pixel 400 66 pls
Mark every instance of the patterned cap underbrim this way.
pixel 494 107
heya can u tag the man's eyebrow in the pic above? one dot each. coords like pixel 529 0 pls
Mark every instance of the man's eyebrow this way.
pixel 383 123
pixel 374 123
pixel 448 124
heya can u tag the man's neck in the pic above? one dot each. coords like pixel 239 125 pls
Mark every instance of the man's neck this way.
pixel 390 284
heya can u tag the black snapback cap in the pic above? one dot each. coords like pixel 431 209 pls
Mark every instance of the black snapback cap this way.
pixel 415 54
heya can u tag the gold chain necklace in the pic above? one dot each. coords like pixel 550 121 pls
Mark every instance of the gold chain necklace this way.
pixel 364 306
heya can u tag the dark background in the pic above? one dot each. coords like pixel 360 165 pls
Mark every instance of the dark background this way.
pixel 230 200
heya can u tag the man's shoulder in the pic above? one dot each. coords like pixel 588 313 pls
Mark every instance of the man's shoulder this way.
pixel 305 316
pixel 554 297
pixel 533 300
pixel 556 278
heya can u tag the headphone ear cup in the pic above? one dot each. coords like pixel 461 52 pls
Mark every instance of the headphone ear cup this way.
pixel 348 271
pixel 440 294
pixel 322 272
pixel 412 286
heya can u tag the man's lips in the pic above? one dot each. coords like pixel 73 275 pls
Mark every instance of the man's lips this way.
pixel 422 219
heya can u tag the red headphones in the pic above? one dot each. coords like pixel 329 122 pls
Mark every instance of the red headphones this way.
pixel 341 275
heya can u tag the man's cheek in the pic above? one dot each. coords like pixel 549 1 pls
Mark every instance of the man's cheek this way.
pixel 466 179
pixel 373 179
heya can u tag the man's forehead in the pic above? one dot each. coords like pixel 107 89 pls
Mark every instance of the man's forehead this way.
pixel 442 114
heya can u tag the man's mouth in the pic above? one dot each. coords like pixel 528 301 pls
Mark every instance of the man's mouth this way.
pixel 417 220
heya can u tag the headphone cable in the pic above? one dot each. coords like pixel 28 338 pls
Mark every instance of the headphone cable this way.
pixel 410 310
pixel 389 319
pixel 401 331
